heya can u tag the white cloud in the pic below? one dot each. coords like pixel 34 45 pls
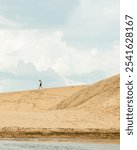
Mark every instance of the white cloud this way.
pixel 78 62
pixel 5 22
pixel 47 49
pixel 36 46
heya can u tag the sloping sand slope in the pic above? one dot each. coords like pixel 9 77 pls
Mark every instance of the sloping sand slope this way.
pixel 35 100
pixel 90 111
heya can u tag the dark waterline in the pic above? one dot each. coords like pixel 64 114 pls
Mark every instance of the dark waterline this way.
pixel 54 145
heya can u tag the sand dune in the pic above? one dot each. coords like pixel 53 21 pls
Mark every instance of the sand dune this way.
pixel 99 94
pixel 35 100
pixel 89 110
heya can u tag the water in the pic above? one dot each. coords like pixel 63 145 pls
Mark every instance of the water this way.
pixel 35 145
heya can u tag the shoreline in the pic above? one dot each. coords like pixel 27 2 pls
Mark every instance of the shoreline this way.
pixel 60 134
pixel 59 139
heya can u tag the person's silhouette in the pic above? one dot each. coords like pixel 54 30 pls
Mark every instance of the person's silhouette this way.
pixel 40 84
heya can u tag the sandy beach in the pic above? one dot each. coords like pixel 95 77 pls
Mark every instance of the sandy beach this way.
pixel 87 111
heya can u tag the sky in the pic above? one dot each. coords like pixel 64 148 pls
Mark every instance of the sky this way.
pixel 61 42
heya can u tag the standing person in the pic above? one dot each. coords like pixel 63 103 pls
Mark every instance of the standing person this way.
pixel 40 84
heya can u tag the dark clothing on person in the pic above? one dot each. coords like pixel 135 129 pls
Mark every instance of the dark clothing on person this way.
pixel 40 84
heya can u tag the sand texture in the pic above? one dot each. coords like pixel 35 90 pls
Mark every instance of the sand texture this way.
pixel 77 111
